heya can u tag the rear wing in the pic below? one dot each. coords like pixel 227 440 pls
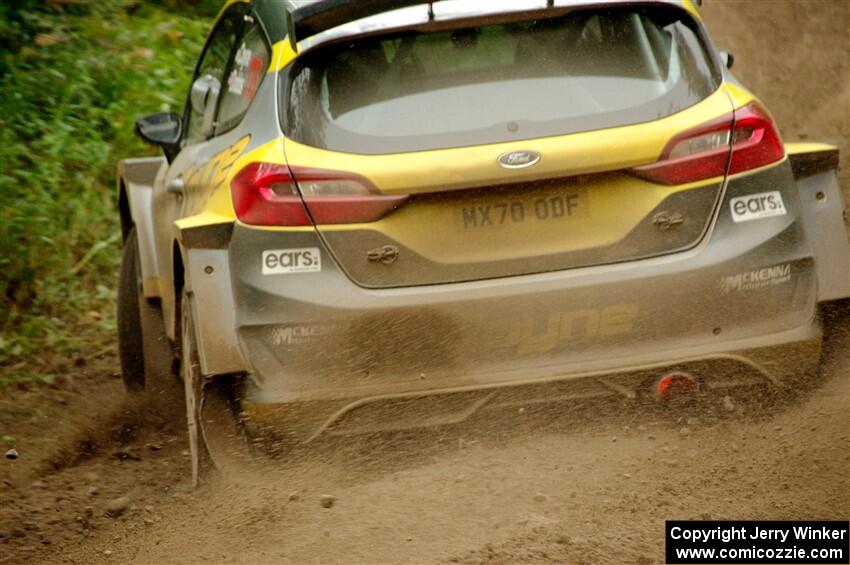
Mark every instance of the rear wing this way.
pixel 808 159
pixel 311 19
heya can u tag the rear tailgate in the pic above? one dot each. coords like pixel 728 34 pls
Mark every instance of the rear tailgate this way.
pixel 471 212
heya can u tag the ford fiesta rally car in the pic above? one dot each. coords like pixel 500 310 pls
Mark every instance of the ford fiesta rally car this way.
pixel 367 205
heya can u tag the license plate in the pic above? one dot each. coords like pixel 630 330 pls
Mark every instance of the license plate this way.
pixel 553 208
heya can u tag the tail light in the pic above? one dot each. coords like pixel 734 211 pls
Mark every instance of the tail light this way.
pixel 741 141
pixel 267 194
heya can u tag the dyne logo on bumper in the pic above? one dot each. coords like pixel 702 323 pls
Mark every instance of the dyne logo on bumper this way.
pixel 289 261
pixel 757 206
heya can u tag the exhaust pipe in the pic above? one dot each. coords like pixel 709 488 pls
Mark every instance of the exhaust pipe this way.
pixel 675 386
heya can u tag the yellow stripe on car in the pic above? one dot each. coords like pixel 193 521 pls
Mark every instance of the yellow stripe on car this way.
pixel 282 55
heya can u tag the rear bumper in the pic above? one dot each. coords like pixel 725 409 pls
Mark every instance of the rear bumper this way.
pixel 317 336
pixel 772 360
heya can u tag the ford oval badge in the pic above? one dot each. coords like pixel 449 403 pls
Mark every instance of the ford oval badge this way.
pixel 518 159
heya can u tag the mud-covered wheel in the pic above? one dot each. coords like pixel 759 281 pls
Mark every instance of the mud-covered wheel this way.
pixel 193 380
pixel 227 442
pixel 214 430
pixel 835 317
pixel 131 345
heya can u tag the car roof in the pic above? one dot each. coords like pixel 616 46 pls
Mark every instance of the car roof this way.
pixel 307 18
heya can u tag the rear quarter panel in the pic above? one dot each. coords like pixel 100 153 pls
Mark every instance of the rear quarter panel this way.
pixel 815 167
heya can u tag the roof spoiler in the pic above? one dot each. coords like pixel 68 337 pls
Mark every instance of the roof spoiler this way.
pixel 315 18
pixel 326 14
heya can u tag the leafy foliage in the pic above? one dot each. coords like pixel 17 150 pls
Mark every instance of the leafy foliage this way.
pixel 73 78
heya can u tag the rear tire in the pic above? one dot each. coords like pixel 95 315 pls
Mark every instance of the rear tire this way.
pixel 835 316
pixel 214 430
pixel 193 382
pixel 227 443
pixel 131 348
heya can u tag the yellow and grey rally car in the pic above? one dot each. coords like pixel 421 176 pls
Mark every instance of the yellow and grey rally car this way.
pixel 371 204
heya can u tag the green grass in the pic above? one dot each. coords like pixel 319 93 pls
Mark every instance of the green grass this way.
pixel 73 78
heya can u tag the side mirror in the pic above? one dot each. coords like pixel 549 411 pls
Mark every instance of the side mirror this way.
pixel 163 129
pixel 727 58
pixel 204 93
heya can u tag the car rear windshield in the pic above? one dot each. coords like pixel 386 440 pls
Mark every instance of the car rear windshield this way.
pixel 580 71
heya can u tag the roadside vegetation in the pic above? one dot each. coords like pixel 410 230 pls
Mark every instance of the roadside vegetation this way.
pixel 74 75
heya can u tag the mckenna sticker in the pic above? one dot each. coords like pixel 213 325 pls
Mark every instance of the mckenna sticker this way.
pixel 301 335
pixel 756 280
pixel 288 261
pixel 757 206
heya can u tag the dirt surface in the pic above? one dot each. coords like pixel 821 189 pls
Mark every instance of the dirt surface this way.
pixel 591 484
pixel 104 478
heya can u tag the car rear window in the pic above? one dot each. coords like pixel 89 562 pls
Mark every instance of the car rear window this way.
pixel 584 70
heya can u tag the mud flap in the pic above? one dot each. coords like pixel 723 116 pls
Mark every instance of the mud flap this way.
pixel 193 382
pixel 193 385
pixel 225 440
pixel 213 429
